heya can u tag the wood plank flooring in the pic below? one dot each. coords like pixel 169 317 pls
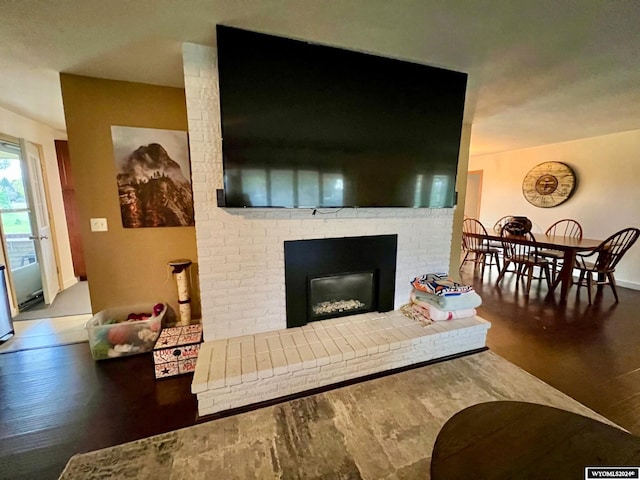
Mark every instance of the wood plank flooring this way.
pixel 589 352
pixel 55 402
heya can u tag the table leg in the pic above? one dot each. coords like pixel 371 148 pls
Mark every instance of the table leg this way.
pixel 565 277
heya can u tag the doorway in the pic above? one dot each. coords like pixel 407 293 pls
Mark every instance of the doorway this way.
pixel 24 225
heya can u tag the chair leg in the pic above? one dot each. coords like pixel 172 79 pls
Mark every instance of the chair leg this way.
pixel 547 275
pixel 529 270
pixel 477 258
pixel 589 285
pixel 520 270
pixel 497 259
pixel 612 282
pixel 524 270
pixel 466 255
pixel 579 283
pixel 502 272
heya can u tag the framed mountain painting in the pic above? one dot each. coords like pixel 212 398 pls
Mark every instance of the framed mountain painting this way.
pixel 153 176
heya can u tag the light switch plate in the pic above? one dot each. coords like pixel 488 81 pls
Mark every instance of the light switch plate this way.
pixel 99 225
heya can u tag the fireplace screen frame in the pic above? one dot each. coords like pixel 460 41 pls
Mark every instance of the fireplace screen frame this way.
pixel 325 256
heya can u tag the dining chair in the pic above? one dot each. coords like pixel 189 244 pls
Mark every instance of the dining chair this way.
pixel 497 228
pixel 477 246
pixel 501 222
pixel 524 256
pixel 567 227
pixel 603 260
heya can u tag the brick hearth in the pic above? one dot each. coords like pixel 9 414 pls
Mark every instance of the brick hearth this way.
pixel 244 370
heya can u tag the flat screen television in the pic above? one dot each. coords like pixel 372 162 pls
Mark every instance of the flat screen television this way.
pixel 307 125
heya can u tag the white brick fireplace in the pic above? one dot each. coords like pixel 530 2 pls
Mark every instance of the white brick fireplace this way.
pixel 249 356
pixel 241 251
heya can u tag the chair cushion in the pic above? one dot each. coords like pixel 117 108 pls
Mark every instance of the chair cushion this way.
pixel 589 266
pixel 531 259
pixel 485 250
pixel 551 253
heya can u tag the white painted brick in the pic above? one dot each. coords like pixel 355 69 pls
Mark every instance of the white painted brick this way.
pixel 333 332
pixel 307 356
pixel 345 348
pixel 263 361
pixel 286 339
pixel 201 373
pixel 311 336
pixel 370 345
pixel 344 330
pixel 358 347
pixel 274 343
pixel 355 329
pixel 279 362
pixel 321 333
pixel 320 353
pixel 234 371
pixel 233 350
pixel 335 354
pixel 261 345
pixel 205 403
pixel 294 361
pixel 249 369
pixel 334 366
pixel 299 338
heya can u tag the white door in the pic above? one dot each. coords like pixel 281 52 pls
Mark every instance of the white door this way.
pixel 40 222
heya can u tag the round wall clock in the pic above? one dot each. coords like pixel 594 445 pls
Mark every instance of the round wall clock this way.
pixel 549 184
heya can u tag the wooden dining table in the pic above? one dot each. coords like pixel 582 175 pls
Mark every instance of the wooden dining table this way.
pixel 568 245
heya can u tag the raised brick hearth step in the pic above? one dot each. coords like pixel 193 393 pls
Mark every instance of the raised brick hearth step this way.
pixel 240 371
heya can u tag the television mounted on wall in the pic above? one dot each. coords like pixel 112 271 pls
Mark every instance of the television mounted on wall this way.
pixel 313 126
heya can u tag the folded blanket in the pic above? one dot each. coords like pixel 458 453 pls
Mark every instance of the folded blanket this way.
pixel 434 313
pixel 450 302
pixel 439 284
pixel 412 311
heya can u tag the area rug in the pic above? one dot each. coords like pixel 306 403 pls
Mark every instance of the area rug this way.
pixel 378 429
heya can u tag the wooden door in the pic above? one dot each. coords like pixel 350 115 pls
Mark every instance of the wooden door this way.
pixel 71 208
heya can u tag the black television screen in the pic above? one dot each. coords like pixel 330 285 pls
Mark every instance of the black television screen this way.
pixel 305 125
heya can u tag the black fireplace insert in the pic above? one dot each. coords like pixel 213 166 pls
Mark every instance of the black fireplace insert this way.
pixel 332 277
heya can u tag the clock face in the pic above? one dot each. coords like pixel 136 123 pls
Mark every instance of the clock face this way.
pixel 549 184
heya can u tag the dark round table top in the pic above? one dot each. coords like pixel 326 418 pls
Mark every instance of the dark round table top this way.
pixel 520 440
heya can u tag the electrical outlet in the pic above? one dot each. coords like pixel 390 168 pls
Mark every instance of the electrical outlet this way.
pixel 99 225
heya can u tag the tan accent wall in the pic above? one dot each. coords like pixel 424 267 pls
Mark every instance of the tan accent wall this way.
pixel 124 265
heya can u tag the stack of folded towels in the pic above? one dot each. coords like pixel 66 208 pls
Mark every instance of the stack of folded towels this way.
pixel 437 297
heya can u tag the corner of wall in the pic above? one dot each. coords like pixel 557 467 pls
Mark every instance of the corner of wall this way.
pixel 461 188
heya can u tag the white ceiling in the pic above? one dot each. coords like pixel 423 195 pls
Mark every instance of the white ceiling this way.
pixel 540 71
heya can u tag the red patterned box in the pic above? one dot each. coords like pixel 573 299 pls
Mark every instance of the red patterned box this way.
pixel 176 350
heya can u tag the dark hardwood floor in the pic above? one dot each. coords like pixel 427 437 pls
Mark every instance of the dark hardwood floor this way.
pixel 589 352
pixel 55 402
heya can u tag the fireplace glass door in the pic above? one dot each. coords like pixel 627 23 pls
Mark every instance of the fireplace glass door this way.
pixel 341 294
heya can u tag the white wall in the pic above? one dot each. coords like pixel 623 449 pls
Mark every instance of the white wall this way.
pixel 21 127
pixel 606 199
pixel 241 251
